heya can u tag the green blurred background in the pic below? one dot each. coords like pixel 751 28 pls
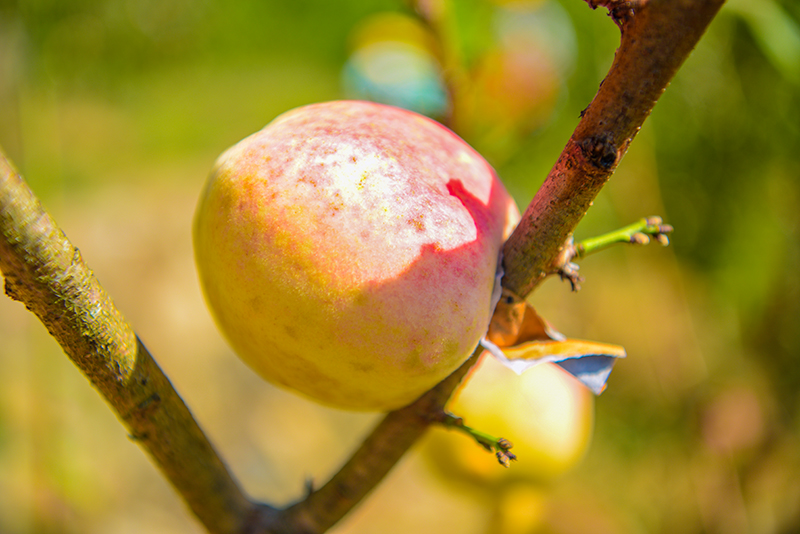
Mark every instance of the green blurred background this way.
pixel 114 111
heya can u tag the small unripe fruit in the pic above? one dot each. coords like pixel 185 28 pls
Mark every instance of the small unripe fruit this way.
pixel 547 414
pixel 348 251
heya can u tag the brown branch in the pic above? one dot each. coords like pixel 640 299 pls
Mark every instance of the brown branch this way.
pixel 390 440
pixel 618 10
pixel 46 273
pixel 656 40
pixel 43 270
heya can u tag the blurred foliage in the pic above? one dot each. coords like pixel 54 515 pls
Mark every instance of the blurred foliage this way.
pixel 114 110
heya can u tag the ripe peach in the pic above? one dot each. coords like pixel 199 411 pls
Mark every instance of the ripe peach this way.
pixel 348 251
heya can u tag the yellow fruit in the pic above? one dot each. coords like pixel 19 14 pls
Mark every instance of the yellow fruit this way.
pixel 348 251
pixel 546 413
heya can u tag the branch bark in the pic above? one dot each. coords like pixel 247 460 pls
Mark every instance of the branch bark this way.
pixel 44 271
pixel 384 447
pixel 657 36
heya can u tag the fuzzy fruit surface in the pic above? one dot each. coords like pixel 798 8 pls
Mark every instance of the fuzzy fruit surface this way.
pixel 348 251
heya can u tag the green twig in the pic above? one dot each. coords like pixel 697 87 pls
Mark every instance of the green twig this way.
pixel 638 233
pixel 499 446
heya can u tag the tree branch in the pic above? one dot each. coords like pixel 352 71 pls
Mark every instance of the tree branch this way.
pixel 44 271
pixel 390 440
pixel 656 39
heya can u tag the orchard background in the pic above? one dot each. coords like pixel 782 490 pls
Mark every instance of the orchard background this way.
pixel 115 111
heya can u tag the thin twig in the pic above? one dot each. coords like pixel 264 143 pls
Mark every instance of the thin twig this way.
pixel 501 447
pixel 638 233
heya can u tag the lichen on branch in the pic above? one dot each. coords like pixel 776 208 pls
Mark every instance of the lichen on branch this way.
pixel 44 271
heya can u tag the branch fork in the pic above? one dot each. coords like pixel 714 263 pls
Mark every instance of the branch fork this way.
pixel 43 270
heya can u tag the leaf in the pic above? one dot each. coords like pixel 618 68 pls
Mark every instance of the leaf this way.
pixel 775 32
pixel 520 339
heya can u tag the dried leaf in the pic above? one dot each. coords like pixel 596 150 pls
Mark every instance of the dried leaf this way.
pixel 515 321
pixel 520 339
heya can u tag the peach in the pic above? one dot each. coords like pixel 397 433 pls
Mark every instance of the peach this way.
pixel 348 251
pixel 547 414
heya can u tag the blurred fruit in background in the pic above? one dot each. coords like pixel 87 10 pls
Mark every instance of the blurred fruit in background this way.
pixel 506 67
pixel 517 83
pixel 547 415
pixel 545 412
pixel 393 62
